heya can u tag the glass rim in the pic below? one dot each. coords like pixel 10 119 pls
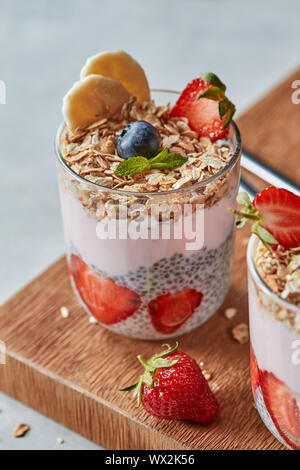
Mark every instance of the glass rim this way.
pixel 201 184
pixel 258 279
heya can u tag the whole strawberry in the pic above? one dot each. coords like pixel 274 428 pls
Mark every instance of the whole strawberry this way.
pixel 204 104
pixel 173 387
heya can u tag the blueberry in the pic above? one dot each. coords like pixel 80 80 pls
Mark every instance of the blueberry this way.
pixel 139 138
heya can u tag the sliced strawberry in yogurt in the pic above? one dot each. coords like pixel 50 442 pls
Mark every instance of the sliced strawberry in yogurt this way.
pixel 109 302
pixel 169 311
pixel 254 372
pixel 284 408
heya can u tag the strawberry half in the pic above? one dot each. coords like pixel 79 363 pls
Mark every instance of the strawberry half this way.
pixel 276 216
pixel 169 311
pixel 254 373
pixel 173 387
pixel 105 299
pixel 284 408
pixel 205 115
pixel 279 211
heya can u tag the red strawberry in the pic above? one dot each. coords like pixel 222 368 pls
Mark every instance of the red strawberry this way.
pixel 173 387
pixel 106 300
pixel 279 211
pixel 169 311
pixel 254 372
pixel 284 408
pixel 203 115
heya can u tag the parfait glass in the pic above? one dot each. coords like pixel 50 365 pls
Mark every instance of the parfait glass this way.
pixel 132 255
pixel 275 356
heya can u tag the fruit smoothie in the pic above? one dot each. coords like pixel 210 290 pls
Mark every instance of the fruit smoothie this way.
pixel 274 309
pixel 146 184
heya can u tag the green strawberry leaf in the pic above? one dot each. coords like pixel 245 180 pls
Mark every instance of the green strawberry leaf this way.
pixel 241 222
pixel 128 389
pixel 217 93
pixel 264 235
pixel 212 93
pixel 150 366
pixel 243 199
pixel 249 212
pixel 167 352
pixel 212 78
pixel 227 109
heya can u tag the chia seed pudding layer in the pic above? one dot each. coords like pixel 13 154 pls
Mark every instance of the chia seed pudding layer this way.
pixel 206 271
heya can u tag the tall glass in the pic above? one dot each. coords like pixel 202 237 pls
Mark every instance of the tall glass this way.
pixel 150 265
pixel 275 356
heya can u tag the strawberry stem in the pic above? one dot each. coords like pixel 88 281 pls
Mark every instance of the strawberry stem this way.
pixel 251 213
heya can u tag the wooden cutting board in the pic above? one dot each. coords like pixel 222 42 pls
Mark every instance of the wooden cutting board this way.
pixel 71 370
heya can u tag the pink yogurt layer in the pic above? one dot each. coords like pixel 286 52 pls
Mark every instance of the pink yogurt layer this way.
pixel 272 342
pixel 117 257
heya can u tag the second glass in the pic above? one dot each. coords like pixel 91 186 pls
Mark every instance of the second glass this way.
pixel 275 356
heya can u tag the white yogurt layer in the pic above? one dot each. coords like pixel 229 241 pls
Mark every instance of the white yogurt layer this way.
pixel 274 344
pixel 117 257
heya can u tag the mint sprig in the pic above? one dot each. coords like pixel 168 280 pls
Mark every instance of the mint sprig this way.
pixel 217 93
pixel 249 212
pixel 136 165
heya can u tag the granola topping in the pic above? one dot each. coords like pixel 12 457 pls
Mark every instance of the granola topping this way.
pixel 92 153
pixel 280 270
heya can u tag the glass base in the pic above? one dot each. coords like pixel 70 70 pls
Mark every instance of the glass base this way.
pixel 266 418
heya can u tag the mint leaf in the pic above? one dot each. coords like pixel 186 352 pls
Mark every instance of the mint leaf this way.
pixel 166 159
pixel 163 160
pixel 211 78
pixel 133 166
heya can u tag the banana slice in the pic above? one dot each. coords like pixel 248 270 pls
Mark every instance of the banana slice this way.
pixel 120 66
pixel 92 98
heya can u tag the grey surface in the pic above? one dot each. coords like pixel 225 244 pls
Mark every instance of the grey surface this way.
pixel 251 45
pixel 43 434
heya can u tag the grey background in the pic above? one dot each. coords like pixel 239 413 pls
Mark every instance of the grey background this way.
pixel 250 45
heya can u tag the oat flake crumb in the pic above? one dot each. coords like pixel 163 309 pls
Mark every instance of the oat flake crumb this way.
pixel 60 440
pixel 64 312
pixel 207 374
pixel 241 333
pixel 230 313
pixel 20 430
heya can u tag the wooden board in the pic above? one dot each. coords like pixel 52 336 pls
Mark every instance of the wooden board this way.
pixel 70 369
pixel 270 129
